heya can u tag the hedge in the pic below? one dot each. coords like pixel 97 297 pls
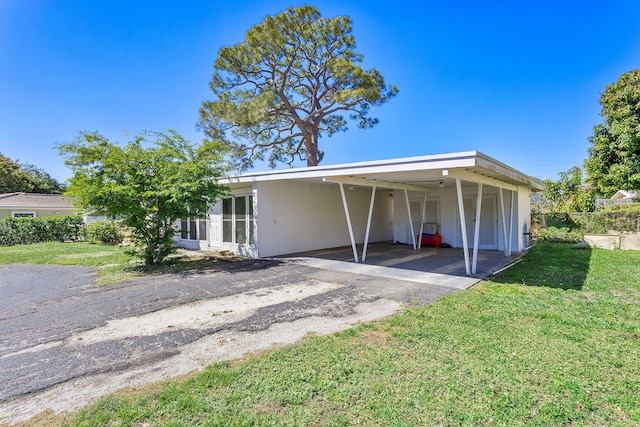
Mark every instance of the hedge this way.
pixel 608 220
pixel 22 231
pixel 104 232
pixel 616 218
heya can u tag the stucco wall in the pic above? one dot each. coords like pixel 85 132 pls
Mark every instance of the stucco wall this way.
pixel 39 212
pixel 448 214
pixel 524 218
pixel 297 216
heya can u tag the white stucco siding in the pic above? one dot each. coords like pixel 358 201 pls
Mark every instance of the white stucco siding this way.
pixel 448 215
pixel 301 209
pixel 401 228
pixel 296 216
pixel 37 212
pixel 523 216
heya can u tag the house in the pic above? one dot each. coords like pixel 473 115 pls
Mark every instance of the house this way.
pixel 625 195
pixel 621 197
pixel 20 205
pixel 289 211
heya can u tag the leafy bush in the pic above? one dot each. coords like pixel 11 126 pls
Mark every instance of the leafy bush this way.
pixel 22 231
pixel 105 232
pixel 558 234
pixel 620 218
pixel 615 218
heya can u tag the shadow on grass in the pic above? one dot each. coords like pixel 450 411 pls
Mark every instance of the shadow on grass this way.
pixel 549 264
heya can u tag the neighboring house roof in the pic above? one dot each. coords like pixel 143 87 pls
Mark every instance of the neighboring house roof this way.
pixel 625 194
pixel 419 171
pixel 35 201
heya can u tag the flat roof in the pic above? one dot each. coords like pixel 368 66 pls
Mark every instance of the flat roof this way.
pixel 419 170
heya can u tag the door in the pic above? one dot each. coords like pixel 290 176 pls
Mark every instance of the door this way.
pixel 215 220
pixel 488 222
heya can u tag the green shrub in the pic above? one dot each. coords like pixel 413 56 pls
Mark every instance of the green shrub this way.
pixel 104 232
pixel 558 234
pixel 620 218
pixel 22 231
pixel 615 218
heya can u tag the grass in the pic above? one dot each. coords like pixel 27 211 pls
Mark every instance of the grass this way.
pixel 114 264
pixel 552 341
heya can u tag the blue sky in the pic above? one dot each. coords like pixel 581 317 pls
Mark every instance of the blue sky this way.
pixel 519 81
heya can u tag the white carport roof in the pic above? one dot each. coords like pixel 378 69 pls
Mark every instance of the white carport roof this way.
pixel 473 166
pixel 421 174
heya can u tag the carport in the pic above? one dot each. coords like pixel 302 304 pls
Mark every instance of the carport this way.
pixel 429 265
pixel 458 176
pixel 477 203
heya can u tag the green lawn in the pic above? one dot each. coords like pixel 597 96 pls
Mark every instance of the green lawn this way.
pixel 552 341
pixel 113 263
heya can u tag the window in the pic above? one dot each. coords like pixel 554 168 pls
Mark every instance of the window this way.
pixel 227 220
pixel 24 215
pixel 237 220
pixel 193 228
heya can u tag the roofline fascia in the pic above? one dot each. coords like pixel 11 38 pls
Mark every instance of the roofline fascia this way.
pixel 506 170
pixel 463 159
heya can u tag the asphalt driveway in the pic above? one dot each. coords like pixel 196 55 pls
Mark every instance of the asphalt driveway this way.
pixel 65 342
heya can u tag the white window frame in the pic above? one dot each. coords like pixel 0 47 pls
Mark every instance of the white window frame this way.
pixel 198 238
pixel 248 219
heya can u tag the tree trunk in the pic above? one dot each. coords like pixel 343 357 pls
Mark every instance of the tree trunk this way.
pixel 311 146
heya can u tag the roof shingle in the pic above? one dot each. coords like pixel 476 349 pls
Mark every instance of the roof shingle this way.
pixel 36 201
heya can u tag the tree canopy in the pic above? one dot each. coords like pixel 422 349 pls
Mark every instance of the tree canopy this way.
pixel 614 156
pixel 149 183
pixel 26 178
pixel 567 194
pixel 292 80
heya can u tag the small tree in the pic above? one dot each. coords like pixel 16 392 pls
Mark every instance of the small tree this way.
pixel 568 194
pixel 614 156
pixel 291 81
pixel 149 183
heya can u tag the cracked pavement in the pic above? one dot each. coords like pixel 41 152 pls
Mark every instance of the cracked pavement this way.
pixel 58 330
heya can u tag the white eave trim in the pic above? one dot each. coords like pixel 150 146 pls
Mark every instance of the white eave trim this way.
pixel 361 182
pixel 463 159
pixel 460 161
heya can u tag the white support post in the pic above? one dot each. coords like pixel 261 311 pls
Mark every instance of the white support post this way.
pixel 413 236
pixel 504 225
pixel 366 234
pixel 346 212
pixel 476 231
pixel 463 226
pixel 513 194
pixel 424 208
